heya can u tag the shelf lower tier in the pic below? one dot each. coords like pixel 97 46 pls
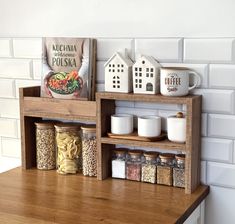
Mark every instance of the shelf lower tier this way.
pixel 164 144
pixel 31 196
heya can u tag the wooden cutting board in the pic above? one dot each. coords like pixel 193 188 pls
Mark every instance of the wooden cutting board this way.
pixel 134 136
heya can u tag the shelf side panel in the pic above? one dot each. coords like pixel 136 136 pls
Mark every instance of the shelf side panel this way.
pixel 105 108
pixel 193 145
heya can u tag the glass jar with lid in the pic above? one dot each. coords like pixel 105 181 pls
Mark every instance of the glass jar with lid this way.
pixel 165 169
pixel 89 150
pixel 179 171
pixel 45 146
pixel 133 165
pixel 69 145
pixel 149 167
pixel 119 163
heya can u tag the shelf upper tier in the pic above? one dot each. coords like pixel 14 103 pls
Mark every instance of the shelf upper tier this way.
pixel 147 98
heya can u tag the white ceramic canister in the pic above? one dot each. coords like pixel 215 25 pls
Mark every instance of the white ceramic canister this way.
pixel 122 124
pixel 149 126
pixel 176 129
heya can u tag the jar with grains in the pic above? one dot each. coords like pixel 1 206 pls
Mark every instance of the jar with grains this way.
pixel 149 167
pixel 45 146
pixel 69 148
pixel 133 165
pixel 89 150
pixel 119 163
pixel 179 171
pixel 165 169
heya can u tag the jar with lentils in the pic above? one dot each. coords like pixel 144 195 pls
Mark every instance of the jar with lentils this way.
pixel 179 171
pixel 133 165
pixel 69 148
pixel 119 163
pixel 89 150
pixel 165 169
pixel 149 167
pixel 45 146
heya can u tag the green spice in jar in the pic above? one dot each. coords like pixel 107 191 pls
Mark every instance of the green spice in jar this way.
pixel 179 171
pixel 149 167
pixel 45 146
pixel 165 169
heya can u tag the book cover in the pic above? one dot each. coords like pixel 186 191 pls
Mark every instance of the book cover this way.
pixel 68 68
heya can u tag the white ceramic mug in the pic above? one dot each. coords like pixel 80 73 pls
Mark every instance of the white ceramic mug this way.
pixel 122 124
pixel 175 81
pixel 149 126
pixel 176 129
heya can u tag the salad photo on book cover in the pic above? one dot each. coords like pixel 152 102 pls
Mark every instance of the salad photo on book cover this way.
pixel 67 68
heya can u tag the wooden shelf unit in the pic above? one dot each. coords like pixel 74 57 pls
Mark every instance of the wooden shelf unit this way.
pixel 106 107
pixel 33 108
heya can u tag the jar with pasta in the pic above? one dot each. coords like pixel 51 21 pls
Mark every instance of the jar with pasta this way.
pixel 165 169
pixel 69 148
pixel 89 150
pixel 45 146
pixel 149 167
pixel 133 165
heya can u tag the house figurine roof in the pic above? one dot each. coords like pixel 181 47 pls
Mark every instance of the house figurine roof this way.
pixel 148 58
pixel 126 60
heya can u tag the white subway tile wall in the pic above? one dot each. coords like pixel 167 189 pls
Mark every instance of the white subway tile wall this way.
pixel 213 59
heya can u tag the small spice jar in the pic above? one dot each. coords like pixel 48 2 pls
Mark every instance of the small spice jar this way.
pixel 45 146
pixel 133 165
pixel 89 150
pixel 69 145
pixel 149 167
pixel 179 171
pixel 165 169
pixel 119 163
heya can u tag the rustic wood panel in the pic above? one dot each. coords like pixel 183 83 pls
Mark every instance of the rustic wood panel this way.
pixel 34 196
pixel 105 108
pixel 145 98
pixel 58 108
pixel 164 144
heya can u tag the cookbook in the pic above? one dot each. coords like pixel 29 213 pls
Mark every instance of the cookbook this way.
pixel 68 68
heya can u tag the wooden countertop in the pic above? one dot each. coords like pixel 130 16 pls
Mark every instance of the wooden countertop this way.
pixel 33 196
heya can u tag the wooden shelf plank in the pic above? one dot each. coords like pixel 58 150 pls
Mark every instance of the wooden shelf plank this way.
pixel 148 98
pixel 59 108
pixel 164 144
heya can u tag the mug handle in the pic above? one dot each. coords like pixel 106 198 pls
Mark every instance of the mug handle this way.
pixel 198 80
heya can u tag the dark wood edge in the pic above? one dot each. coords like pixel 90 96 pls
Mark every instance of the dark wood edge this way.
pixel 191 209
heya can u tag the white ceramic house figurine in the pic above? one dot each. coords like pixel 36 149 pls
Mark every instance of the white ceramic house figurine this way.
pixel 146 75
pixel 118 74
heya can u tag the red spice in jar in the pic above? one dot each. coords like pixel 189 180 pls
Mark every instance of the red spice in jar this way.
pixel 133 172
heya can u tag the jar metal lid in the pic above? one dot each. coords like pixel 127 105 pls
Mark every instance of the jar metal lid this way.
pixel 151 154
pixel 88 127
pixel 45 124
pixel 67 127
pixel 180 156
pixel 167 156
pixel 120 150
pixel 135 152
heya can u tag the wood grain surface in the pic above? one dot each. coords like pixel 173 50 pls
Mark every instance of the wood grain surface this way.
pixel 45 197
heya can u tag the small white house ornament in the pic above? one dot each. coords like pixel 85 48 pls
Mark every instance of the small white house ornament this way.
pixel 146 75
pixel 118 74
